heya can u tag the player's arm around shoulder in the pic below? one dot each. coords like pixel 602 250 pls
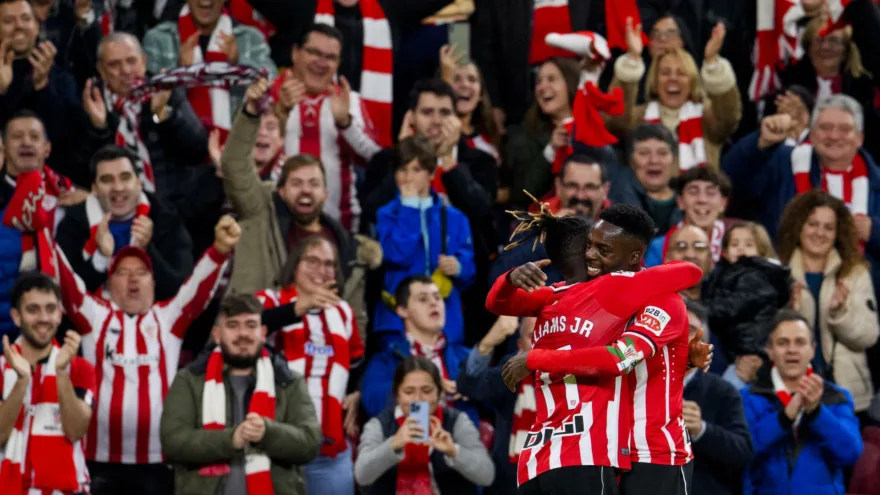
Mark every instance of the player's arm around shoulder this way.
pixel 663 321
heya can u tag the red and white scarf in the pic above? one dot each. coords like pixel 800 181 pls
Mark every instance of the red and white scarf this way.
pixel 714 241
pixel 211 104
pixel 243 12
pixel 128 136
pixel 108 18
pixel 32 211
pixel 777 43
pixel 38 430
pixel 436 354
pixel 553 16
pixel 784 394
pixel 414 471
pixel 835 21
pixel 94 214
pixel 850 186
pixel 481 142
pixel 691 146
pixel 257 463
pixel 376 82
pixel 525 411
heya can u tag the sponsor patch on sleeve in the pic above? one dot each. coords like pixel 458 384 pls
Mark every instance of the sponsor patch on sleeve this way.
pixel 653 319
pixel 622 273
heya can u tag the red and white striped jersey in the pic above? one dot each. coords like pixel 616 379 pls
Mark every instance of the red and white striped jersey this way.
pixel 659 435
pixel 321 347
pixel 135 358
pixel 312 129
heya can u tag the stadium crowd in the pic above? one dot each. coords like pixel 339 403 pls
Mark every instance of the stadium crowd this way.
pixel 244 287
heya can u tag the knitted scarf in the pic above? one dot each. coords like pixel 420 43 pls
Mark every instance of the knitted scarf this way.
pixel 94 214
pixel 211 104
pixel 691 147
pixel 212 74
pixel 414 471
pixel 850 186
pixel 243 12
pixel 524 413
pixel 257 463
pixel 128 135
pixel 434 353
pixel 29 212
pixel 784 394
pixel 714 241
pixel 51 453
pixel 376 87
pixel 776 45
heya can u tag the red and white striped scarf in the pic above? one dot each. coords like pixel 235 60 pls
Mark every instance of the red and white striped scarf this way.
pixel 691 146
pixel 777 44
pixel 714 241
pixel 784 394
pixel 51 455
pixel 257 463
pixel 128 135
pixel 376 82
pixel 414 471
pixel 436 354
pixel 32 211
pixel 94 214
pixel 211 104
pixel 481 142
pixel 850 186
pixel 108 17
pixel 243 12
pixel 835 9
pixel 525 410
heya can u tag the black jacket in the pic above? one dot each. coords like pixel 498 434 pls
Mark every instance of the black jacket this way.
pixel 723 452
pixel 742 299
pixel 170 249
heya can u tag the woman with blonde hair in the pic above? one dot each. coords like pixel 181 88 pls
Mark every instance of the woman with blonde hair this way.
pixel 702 108
pixel 834 292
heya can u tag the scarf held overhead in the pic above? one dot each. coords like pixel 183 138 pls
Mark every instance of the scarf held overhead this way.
pixel 257 463
pixel 691 145
pixel 128 136
pixel 29 213
pixel 38 436
pixel 376 82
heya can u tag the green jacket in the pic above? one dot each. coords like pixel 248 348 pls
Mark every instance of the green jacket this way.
pixel 291 440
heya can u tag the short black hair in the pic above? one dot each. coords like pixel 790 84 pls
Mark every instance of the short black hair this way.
pixel 435 86
pixel 415 147
pixel 707 174
pixel 239 304
pixel 401 295
pixel 633 220
pixel 108 153
pixel 584 158
pixel 415 363
pixel 24 113
pixel 29 281
pixel 319 27
pixel 647 132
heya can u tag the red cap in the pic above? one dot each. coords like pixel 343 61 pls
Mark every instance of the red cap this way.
pixel 131 251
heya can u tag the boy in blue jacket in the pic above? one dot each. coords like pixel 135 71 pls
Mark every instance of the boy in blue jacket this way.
pixel 804 429
pixel 423 312
pixel 420 235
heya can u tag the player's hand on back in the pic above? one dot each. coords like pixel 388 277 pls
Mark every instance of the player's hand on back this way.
pixel 529 276
pixel 515 370
pixel 700 353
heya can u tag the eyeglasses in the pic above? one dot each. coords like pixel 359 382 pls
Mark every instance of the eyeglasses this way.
pixel 831 41
pixel 698 246
pixel 315 263
pixel 329 57
pixel 664 34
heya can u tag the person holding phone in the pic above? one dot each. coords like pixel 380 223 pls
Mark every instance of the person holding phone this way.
pixel 320 340
pixel 417 446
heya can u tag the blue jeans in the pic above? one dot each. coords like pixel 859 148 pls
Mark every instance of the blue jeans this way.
pixel 330 475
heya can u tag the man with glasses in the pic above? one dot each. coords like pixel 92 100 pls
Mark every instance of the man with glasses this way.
pixel 690 243
pixel 701 195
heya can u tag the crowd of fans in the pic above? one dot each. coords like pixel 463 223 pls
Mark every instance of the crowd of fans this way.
pixel 355 222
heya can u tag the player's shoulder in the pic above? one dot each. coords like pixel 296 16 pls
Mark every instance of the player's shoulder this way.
pixel 667 311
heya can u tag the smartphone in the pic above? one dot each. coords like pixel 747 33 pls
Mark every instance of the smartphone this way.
pixel 422 412
pixel 460 36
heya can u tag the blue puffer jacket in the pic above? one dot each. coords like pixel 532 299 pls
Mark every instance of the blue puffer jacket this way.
pixel 828 440
pixel 10 260
pixel 400 233
pixel 378 377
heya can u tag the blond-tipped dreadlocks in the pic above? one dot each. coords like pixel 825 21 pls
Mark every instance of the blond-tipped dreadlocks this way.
pixel 531 222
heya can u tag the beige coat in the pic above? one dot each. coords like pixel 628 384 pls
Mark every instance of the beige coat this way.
pixel 847 333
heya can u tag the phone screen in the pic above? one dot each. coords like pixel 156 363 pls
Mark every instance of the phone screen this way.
pixel 421 410
pixel 460 36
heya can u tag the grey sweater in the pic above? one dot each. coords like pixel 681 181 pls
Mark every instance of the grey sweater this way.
pixel 375 455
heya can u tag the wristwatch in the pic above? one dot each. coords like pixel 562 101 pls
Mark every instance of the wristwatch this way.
pixel 168 113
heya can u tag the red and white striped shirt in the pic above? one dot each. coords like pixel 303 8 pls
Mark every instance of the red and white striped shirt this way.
pixel 135 358
pixel 656 384
pixel 321 347
pixel 311 129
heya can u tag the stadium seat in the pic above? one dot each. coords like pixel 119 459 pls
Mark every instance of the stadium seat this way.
pixel 866 473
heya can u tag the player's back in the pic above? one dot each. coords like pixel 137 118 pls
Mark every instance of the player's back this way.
pixel 656 384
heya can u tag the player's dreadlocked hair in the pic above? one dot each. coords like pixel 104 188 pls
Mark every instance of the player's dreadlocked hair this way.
pixel 633 220
pixel 564 238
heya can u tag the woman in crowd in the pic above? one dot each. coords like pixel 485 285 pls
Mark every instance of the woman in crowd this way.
pixel 833 288
pixel 396 455
pixel 702 109
pixel 532 146
pixel 319 338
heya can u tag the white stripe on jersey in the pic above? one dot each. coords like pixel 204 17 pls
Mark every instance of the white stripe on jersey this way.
pixel 585 442
pixel 612 419
pixel 547 395
pixel 640 414
pixel 667 379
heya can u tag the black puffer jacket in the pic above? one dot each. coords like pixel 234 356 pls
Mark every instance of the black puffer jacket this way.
pixel 742 299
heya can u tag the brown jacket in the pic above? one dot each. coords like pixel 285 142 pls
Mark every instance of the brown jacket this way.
pixel 262 251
